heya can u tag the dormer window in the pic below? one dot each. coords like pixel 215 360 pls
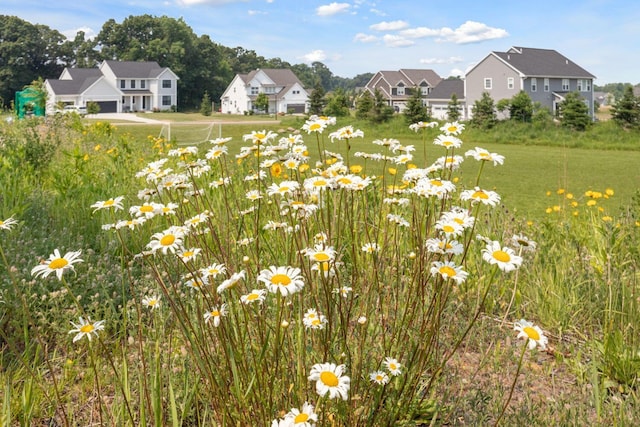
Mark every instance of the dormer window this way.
pixel 400 88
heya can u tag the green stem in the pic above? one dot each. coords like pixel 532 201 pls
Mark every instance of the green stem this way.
pixel 513 385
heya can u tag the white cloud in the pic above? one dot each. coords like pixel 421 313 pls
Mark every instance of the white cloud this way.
pixel 469 32
pixel 71 34
pixel 377 12
pixel 456 72
pixel 211 2
pixel 397 41
pixel 314 56
pixel 389 26
pixel 332 9
pixel 449 60
pixel 365 38
pixel 256 12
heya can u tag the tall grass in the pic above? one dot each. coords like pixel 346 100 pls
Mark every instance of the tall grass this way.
pixel 300 277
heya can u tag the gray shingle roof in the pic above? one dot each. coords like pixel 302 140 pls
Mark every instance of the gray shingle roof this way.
pixel 446 88
pixel 73 87
pixel 135 69
pixel 542 63
pixel 280 76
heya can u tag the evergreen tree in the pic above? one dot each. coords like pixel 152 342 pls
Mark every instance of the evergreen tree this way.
pixel 626 111
pixel 521 107
pixel 364 105
pixel 381 111
pixel 484 112
pixel 574 112
pixel 415 111
pixel 316 99
pixel 205 105
pixel 338 104
pixel 453 108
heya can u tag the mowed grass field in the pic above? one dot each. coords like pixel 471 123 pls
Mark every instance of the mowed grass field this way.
pixel 529 173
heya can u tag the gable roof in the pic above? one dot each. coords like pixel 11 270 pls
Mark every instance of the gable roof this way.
pixel 81 82
pixel 135 69
pixel 279 76
pixel 446 88
pixel 416 76
pixel 542 63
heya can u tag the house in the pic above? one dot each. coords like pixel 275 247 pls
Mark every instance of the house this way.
pixel 283 88
pixel 544 74
pixel 397 86
pixel 438 99
pixel 116 86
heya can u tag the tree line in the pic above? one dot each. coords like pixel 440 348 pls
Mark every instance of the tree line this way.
pixel 29 52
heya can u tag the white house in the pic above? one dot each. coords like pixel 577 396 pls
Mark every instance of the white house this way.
pixel 285 92
pixel 116 86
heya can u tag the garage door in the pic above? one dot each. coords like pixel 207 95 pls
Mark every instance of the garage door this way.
pixel 295 108
pixel 108 106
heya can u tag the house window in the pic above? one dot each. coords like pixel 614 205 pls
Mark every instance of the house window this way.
pixel 510 83
pixel 166 84
pixel 143 84
pixel 123 84
pixel 584 86
pixel 166 100
pixel 565 84
pixel 546 85
pixel 424 88
pixel 400 89
pixel 488 83
pixel 133 84
pixel 534 84
pixel 254 90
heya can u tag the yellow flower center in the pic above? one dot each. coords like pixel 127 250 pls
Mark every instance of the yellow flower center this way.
pixel 321 257
pixel 301 418
pixel 320 183
pixel 501 256
pixel 531 333
pixel 315 126
pixel 153 302
pixel 58 263
pixel 329 379
pixel 284 189
pixel 345 181
pixel 146 208
pixel 1 223
pixel 445 270
pixel 452 129
pixel 393 366
pixel 479 195
pixel 87 328
pixel 109 202
pixel 315 321
pixel 168 240
pixel 448 229
pixel 458 220
pixel 281 279
pixel 436 183
pixel 215 313
pixel 252 297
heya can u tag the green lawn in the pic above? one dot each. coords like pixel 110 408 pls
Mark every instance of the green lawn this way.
pixel 528 173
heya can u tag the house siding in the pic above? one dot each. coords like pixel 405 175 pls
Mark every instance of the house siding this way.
pixel 499 73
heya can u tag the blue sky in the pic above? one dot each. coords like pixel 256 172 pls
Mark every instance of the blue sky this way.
pixel 358 36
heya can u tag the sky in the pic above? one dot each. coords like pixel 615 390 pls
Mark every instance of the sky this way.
pixel 353 37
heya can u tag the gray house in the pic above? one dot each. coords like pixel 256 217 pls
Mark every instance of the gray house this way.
pixel 397 86
pixel 544 74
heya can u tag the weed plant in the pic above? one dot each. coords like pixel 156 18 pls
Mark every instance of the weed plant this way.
pixel 311 275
